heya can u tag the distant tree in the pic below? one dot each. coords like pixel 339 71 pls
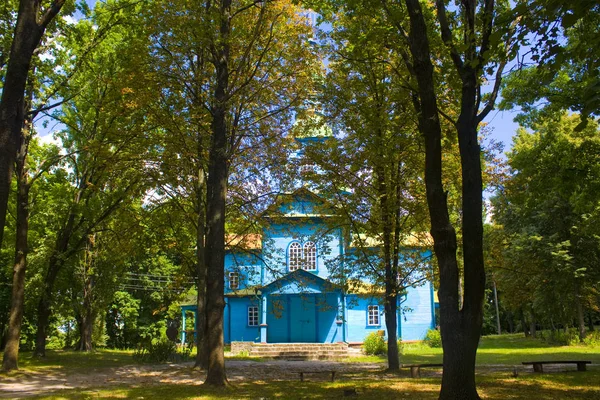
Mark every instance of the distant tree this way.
pixel 104 134
pixel 549 212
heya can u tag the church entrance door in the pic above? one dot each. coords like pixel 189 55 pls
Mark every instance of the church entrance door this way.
pixel 303 316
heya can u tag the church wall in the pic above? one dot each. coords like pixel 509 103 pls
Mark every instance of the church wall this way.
pixel 357 327
pixel 420 317
pixel 236 320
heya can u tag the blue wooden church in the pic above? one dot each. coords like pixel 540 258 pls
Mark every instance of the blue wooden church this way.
pixel 285 285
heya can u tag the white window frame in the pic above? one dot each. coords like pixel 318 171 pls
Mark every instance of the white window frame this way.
pixel 253 315
pixel 294 256
pixel 309 250
pixel 373 316
pixel 234 277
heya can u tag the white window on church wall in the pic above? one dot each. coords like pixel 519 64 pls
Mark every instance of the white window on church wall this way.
pixel 310 256
pixel 252 316
pixel 373 316
pixel 234 280
pixel 294 256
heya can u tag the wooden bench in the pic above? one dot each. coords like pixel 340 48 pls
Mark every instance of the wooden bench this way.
pixel 316 372
pixel 415 369
pixel 537 365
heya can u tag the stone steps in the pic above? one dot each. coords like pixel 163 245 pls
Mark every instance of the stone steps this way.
pixel 299 351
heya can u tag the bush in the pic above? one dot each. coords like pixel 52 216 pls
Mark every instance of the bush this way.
pixel 374 344
pixel 160 350
pixel 592 339
pixel 433 338
pixel 568 337
pixel 400 347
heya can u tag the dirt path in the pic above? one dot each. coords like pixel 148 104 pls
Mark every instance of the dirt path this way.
pixel 36 383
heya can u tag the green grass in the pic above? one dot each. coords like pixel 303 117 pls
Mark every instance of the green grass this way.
pixel 510 349
pixel 565 385
pixel 69 360
pixel 493 383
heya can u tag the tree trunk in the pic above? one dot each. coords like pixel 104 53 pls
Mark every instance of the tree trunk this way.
pixel 510 321
pixel 216 197
pixel 391 323
pixel 580 313
pixel 54 266
pixel 497 309
pixel 13 335
pixel 201 348
pixel 86 325
pixel 460 328
pixel 532 325
pixel 27 35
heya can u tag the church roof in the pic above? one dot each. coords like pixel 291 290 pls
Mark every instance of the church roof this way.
pixel 300 281
pixel 248 241
pixel 319 207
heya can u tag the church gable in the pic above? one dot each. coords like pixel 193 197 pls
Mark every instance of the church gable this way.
pixel 300 203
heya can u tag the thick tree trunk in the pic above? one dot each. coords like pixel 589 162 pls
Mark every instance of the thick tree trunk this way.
pixel 391 323
pixel 201 355
pixel 460 328
pixel 86 328
pixel 216 197
pixel 215 254
pixel 54 266
pixel 43 312
pixel 391 271
pixel 27 35
pixel 13 334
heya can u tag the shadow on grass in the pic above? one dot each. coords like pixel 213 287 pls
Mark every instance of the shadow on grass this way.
pixel 545 386
pixel 263 390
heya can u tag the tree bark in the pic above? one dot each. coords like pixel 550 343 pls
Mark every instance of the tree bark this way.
pixel 216 197
pixel 201 355
pixel 460 327
pixel 54 266
pixel 524 324
pixel 499 328
pixel 580 313
pixel 86 325
pixel 27 35
pixel 13 334
pixel 533 325
pixel 391 273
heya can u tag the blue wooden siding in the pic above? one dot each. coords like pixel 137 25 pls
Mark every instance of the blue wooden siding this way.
pixel 236 320
pixel 419 318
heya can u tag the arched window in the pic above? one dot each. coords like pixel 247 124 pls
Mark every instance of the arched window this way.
pixel 310 256
pixel 294 256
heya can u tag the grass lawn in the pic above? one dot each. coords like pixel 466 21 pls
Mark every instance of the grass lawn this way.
pixel 69 360
pixel 510 349
pixel 564 385
pixel 496 356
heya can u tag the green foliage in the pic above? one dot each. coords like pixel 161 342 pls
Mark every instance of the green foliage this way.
pixel 567 337
pixel 156 351
pixel 433 338
pixel 549 211
pixel 592 339
pixel 374 344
